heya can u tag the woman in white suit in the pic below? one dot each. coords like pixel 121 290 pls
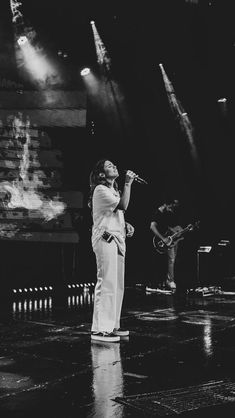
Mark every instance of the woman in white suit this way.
pixel 109 231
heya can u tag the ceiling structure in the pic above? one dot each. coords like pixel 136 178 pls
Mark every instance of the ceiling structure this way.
pixel 191 38
pixel 194 40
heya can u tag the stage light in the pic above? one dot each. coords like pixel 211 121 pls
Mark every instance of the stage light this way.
pixel 35 61
pixel 85 71
pixel 22 40
pixel 223 105
pixel 101 52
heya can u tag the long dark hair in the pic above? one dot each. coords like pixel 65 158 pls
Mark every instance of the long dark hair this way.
pixel 96 179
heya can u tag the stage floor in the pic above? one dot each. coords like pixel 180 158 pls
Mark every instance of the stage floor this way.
pixel 178 359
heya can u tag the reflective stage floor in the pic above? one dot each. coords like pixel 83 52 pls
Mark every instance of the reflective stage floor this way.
pixel 178 359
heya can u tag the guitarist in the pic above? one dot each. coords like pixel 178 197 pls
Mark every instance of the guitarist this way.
pixel 165 222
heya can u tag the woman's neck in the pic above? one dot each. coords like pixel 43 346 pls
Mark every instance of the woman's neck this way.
pixel 110 183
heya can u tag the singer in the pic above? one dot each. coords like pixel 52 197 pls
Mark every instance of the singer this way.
pixel 109 231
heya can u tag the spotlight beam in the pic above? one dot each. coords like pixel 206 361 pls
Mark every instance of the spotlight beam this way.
pixel 181 115
pixel 102 54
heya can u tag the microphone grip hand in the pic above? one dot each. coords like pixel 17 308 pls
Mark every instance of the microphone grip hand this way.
pixel 130 177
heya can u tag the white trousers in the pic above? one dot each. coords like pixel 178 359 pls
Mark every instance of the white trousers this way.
pixel 109 289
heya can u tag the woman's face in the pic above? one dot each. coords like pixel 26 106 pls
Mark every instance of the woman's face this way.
pixel 110 170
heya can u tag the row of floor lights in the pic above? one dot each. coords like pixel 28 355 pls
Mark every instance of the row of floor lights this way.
pixel 82 285
pixel 32 289
pixel 48 288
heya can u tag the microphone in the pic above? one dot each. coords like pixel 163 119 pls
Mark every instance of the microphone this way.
pixel 139 179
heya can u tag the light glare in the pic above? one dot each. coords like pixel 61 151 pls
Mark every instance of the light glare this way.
pixel 85 71
pixel 22 40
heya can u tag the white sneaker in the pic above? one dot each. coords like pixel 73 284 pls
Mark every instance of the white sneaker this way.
pixel 170 284
pixel 105 336
pixel 121 332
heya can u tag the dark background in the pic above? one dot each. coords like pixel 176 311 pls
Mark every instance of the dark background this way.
pixel 194 40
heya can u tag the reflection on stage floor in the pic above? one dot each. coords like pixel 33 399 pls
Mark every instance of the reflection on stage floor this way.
pixel 178 358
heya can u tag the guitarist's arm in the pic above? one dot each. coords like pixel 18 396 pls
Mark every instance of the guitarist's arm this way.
pixel 157 233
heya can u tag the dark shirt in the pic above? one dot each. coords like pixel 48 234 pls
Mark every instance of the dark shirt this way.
pixel 166 219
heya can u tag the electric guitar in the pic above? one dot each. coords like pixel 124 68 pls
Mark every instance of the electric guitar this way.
pixel 161 247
